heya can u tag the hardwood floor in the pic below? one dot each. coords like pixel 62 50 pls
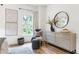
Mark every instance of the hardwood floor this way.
pixel 45 49
pixel 50 50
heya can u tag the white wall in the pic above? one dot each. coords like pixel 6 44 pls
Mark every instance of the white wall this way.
pixel 42 16
pixel 73 11
pixel 12 39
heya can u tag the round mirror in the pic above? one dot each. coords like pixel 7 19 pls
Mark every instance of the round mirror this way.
pixel 61 19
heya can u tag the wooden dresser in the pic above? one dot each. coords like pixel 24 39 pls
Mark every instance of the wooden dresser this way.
pixel 65 40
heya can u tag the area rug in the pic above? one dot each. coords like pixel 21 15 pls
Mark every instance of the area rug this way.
pixel 19 50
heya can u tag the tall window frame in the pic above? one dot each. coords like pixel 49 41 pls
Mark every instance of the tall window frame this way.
pixel 11 22
pixel 26 25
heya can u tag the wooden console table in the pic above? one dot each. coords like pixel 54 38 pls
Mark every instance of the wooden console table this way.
pixel 65 40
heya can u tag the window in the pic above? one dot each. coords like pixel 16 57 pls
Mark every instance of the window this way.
pixel 26 22
pixel 27 25
pixel 11 22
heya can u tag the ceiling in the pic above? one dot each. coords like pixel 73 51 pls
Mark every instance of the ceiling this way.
pixel 37 5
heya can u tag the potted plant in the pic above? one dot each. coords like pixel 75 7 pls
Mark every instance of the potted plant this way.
pixel 51 22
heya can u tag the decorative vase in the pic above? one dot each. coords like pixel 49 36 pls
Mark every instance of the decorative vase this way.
pixel 52 29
